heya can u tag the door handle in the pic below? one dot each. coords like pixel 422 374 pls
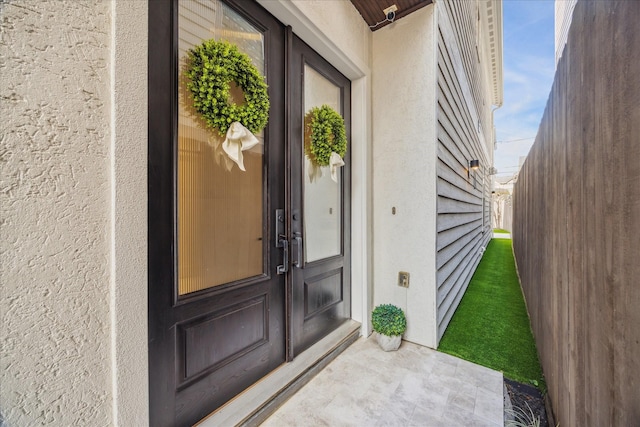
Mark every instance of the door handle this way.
pixel 284 267
pixel 297 240
pixel 279 227
pixel 281 241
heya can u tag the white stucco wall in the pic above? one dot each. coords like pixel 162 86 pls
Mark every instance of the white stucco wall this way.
pixel 340 21
pixel 128 212
pixel 334 28
pixel 404 169
pixel 56 354
pixel 73 246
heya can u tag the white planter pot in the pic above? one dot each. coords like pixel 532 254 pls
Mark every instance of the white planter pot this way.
pixel 389 343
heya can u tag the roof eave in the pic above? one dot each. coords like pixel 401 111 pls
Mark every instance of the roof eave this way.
pixel 491 14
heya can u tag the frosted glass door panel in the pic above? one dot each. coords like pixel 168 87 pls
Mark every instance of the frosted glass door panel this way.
pixel 220 211
pixel 322 196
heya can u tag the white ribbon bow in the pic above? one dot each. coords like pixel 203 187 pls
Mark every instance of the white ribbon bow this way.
pixel 335 162
pixel 315 170
pixel 238 139
pixel 221 158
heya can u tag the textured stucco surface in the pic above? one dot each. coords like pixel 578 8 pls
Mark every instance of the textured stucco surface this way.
pixel 342 23
pixel 404 169
pixel 129 212
pixel 55 363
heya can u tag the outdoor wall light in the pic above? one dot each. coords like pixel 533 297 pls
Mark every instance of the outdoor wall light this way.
pixel 473 164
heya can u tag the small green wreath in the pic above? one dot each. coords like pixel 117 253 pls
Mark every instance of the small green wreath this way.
pixel 324 134
pixel 211 66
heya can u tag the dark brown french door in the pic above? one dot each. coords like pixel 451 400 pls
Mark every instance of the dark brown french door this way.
pixel 246 268
pixel 321 212
pixel 216 301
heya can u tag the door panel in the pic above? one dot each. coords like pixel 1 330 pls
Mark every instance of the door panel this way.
pixel 216 302
pixel 322 291
pixel 321 274
pixel 236 330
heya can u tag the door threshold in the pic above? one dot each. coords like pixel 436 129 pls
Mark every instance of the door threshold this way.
pixel 255 404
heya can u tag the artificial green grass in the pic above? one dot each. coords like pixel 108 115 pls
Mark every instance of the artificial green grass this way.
pixel 491 325
pixel 500 230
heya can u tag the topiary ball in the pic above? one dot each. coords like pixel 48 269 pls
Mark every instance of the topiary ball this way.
pixel 387 319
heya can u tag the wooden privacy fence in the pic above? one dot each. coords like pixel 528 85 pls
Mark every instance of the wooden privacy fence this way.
pixel 576 229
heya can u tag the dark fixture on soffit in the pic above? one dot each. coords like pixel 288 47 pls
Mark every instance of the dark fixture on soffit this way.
pixel 372 10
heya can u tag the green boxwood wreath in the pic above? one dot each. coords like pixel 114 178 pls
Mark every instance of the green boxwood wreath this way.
pixel 324 133
pixel 211 66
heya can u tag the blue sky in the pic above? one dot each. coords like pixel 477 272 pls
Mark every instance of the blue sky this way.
pixel 529 67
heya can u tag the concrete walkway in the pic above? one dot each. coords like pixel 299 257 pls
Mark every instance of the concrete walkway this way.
pixel 414 386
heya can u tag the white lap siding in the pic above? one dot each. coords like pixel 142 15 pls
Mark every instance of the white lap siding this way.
pixel 464 130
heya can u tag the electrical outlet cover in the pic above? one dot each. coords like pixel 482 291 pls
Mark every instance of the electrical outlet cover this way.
pixel 403 279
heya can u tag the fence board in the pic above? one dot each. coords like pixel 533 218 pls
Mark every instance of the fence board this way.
pixel 577 220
